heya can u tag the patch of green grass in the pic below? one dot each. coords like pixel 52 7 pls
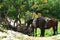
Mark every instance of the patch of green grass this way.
pixel 1 37
pixel 2 28
pixel 49 32
pixel 58 27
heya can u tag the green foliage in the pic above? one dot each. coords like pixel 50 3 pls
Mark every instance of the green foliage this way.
pixel 46 7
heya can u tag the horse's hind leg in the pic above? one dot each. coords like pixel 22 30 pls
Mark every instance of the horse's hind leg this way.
pixel 32 31
pixel 54 30
pixel 56 27
pixel 42 32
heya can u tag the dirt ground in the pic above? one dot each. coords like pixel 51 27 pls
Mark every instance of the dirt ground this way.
pixel 44 38
pixel 12 35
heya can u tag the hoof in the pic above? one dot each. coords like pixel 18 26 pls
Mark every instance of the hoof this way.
pixel 41 36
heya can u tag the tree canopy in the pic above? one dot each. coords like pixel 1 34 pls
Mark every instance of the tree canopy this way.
pixel 24 8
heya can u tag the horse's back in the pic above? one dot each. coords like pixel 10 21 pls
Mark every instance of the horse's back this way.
pixel 51 23
pixel 55 22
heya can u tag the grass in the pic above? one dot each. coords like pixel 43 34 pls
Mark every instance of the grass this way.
pixel 2 28
pixel 59 27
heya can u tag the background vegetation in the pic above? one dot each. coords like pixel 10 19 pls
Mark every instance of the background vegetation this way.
pixel 23 9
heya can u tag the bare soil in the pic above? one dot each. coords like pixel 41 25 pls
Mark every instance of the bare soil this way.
pixel 12 35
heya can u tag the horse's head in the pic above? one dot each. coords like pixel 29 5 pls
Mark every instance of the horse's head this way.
pixel 29 22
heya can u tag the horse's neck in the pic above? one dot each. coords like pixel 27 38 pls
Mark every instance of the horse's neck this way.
pixel 29 22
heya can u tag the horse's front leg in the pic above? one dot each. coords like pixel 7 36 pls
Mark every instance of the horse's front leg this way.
pixel 35 31
pixel 32 31
pixel 42 32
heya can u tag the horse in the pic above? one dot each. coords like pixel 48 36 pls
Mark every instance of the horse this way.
pixel 42 25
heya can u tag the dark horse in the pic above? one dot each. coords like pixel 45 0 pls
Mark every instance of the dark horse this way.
pixel 41 23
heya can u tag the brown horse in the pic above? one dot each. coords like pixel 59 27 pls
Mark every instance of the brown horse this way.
pixel 41 23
